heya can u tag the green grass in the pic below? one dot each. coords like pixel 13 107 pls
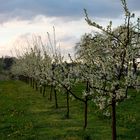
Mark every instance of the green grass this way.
pixel 26 115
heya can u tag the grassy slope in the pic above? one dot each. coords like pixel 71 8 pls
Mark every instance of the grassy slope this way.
pixel 26 115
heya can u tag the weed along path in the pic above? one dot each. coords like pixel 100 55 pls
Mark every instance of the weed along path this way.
pixel 25 114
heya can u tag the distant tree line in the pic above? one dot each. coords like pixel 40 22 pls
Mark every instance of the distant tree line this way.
pixel 6 63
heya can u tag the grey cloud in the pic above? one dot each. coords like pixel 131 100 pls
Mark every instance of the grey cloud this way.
pixel 27 9
pixel 68 38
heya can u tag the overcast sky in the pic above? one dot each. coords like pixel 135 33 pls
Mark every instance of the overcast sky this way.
pixel 20 19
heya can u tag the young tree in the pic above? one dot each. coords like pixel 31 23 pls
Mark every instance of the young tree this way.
pixel 111 59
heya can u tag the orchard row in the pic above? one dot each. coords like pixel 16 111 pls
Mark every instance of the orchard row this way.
pixel 106 63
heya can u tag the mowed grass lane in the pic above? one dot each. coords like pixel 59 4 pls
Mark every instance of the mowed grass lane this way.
pixel 26 115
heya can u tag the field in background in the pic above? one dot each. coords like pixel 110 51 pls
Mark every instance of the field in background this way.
pixel 26 115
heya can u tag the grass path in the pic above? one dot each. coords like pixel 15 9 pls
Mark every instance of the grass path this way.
pixel 26 115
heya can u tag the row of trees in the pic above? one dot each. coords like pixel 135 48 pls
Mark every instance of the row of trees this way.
pixel 105 62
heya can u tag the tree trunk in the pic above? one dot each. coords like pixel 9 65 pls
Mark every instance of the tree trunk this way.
pixel 30 81
pixel 26 81
pixel 41 89
pixel 33 83
pixel 113 119
pixel 51 93
pixel 36 86
pixel 86 105
pixel 55 95
pixel 85 113
pixel 44 89
pixel 67 105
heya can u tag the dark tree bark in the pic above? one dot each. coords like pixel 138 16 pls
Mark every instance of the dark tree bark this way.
pixel 44 89
pixel 134 66
pixel 114 119
pixel 85 113
pixel 30 81
pixel 55 95
pixel 68 108
pixel 41 89
pixel 26 80
pixel 50 98
pixel 36 85
pixel 33 82
pixel 86 105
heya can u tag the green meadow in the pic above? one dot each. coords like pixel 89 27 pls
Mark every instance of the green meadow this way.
pixel 26 115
